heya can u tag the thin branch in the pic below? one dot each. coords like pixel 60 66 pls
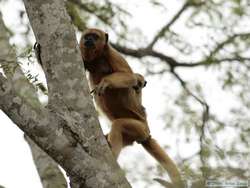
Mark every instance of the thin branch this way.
pixel 164 183
pixel 232 59
pixel 147 52
pixel 202 138
pixel 183 160
pixel 144 52
pixel 89 10
pixel 225 42
pixel 165 28
pixel 205 118
pixel 201 101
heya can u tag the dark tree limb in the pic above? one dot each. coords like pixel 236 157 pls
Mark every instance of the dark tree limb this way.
pixel 172 62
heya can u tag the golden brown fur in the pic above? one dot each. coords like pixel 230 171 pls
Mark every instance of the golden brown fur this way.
pixel 118 93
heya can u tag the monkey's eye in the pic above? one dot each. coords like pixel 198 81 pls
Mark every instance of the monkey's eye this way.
pixel 91 36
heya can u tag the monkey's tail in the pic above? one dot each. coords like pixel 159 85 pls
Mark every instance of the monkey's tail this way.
pixel 162 157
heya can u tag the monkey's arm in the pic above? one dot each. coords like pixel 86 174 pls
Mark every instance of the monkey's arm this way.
pixel 119 80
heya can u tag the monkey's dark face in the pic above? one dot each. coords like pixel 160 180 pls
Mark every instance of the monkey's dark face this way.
pixel 93 43
pixel 90 40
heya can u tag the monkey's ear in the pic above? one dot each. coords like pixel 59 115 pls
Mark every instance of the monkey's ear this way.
pixel 106 37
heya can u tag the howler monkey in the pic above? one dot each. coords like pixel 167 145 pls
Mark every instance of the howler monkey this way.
pixel 117 91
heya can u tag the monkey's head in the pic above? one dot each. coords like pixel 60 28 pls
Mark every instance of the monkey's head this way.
pixel 93 44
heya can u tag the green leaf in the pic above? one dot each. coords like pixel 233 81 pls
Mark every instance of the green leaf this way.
pixel 238 11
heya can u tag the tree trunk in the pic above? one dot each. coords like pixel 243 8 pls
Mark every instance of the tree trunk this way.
pixel 68 130
pixel 48 170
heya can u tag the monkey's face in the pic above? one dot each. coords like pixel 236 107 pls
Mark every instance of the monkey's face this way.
pixel 93 43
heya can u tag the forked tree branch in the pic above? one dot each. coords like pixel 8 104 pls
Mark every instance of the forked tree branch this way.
pixel 49 172
pixel 71 135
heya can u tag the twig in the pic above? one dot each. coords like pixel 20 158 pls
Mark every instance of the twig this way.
pixel 89 10
pixel 164 183
pixel 227 41
pixel 145 52
pixel 183 160
pixel 169 24
pixel 205 117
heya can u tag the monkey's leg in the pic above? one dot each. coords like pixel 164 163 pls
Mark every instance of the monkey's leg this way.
pixel 115 140
pixel 125 131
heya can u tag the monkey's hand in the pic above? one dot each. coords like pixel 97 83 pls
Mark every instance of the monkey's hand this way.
pixel 100 88
pixel 141 82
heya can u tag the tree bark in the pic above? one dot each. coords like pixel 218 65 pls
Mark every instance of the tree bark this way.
pixel 69 95
pixel 48 170
pixel 50 174
pixel 12 69
pixel 68 130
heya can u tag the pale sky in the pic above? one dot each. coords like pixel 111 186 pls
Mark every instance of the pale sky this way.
pixel 16 165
